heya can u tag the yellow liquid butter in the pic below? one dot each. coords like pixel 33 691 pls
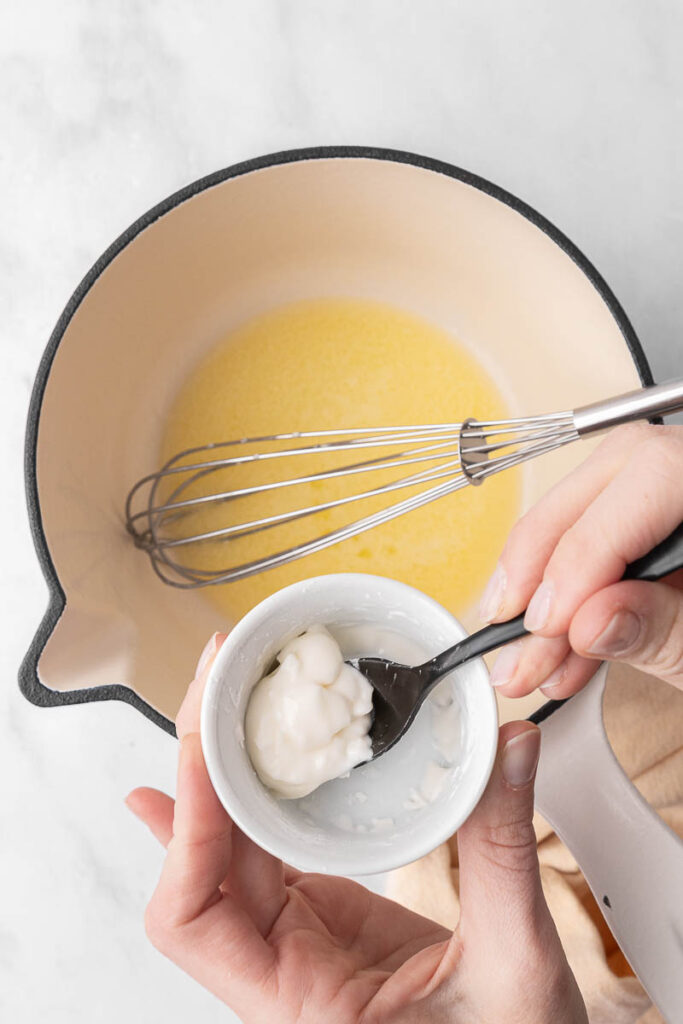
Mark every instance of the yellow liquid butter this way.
pixel 340 363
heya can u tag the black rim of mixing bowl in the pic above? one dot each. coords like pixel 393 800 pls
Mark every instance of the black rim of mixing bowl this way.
pixel 29 682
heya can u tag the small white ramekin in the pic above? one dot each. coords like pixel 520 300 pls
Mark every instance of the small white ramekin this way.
pixel 370 821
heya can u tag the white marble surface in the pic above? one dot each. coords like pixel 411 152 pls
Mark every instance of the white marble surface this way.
pixel 108 105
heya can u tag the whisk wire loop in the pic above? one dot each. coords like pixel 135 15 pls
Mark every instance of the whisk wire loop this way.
pixel 165 511
pixel 154 523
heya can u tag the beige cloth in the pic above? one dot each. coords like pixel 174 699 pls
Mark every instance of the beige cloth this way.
pixel 644 723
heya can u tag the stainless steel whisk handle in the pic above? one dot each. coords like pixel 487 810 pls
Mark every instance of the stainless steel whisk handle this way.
pixel 643 404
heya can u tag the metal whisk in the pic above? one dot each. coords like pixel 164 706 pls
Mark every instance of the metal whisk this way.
pixel 162 507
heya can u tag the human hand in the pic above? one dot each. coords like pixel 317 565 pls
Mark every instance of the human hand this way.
pixel 276 944
pixel 564 558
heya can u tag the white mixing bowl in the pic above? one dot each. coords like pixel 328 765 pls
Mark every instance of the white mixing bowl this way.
pixel 369 821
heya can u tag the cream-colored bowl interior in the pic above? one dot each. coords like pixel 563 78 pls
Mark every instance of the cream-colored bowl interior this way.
pixel 354 227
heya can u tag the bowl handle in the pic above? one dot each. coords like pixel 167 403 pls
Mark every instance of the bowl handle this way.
pixel 632 861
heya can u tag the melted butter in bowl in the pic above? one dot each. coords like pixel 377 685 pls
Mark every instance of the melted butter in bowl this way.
pixel 341 363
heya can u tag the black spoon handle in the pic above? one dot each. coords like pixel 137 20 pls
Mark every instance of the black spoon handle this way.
pixel 667 557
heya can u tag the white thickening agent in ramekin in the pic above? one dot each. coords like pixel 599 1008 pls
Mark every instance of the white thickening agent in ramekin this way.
pixel 384 813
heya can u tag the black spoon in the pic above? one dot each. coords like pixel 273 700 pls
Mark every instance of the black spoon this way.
pixel 400 689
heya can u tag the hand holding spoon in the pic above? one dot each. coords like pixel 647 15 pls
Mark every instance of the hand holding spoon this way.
pixel 400 690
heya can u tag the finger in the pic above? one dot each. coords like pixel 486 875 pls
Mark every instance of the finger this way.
pixel 189 918
pixel 502 903
pixel 200 851
pixel 505 919
pixel 525 664
pixel 187 719
pixel 213 854
pixel 638 508
pixel 569 677
pixel 257 881
pixel 635 622
pixel 155 809
pixel 255 878
pixel 533 539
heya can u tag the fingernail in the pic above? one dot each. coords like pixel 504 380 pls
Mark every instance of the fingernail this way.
pixel 554 680
pixel 206 655
pixel 492 598
pixel 506 665
pixel 538 612
pixel 520 757
pixel 619 635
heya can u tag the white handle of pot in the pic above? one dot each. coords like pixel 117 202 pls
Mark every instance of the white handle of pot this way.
pixel 632 861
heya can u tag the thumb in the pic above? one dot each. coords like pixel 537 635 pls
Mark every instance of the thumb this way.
pixel 635 622
pixel 506 940
pixel 502 903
